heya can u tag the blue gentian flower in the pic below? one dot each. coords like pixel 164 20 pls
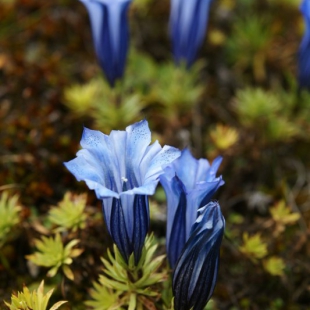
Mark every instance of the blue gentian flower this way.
pixel 304 49
pixel 123 169
pixel 195 274
pixel 110 35
pixel 189 184
pixel 188 23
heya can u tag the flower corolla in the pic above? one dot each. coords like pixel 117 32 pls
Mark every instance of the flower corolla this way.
pixel 123 169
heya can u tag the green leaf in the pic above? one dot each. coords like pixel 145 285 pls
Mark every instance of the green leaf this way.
pixel 35 300
pixel 9 215
pixel 130 281
pixel 274 265
pixel 70 213
pixel 253 246
pixel 52 253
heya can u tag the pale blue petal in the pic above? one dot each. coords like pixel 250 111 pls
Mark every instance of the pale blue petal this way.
pixel 82 170
pixel 145 189
pixel 202 171
pixel 118 139
pixel 144 167
pixel 100 147
pixel 213 169
pixel 166 156
pixel 97 16
pixel 173 188
pixel 138 140
pixel 186 167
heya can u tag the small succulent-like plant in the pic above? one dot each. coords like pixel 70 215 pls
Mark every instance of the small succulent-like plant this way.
pixel 120 108
pixel 52 253
pixel 274 265
pixel 253 247
pixel 267 114
pixel 35 300
pixel 9 215
pixel 224 137
pixel 69 214
pixel 127 285
pixel 249 43
pixel 283 216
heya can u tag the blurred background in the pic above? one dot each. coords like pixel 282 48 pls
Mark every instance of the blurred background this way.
pixel 240 99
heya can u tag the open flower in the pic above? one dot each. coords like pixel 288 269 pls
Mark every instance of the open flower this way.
pixel 110 34
pixel 189 184
pixel 123 169
pixel 188 23
pixel 304 49
pixel 195 274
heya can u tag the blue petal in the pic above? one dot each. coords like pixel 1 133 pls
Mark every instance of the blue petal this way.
pixel 138 140
pixel 97 16
pixel 186 168
pixel 177 236
pixel 141 224
pixel 158 163
pixel 118 229
pixel 197 198
pixel 82 170
pixel 188 21
pixel 199 184
pixel 304 49
pixel 101 153
pixel 110 35
pixel 173 196
pixel 123 169
pixel 213 169
pixel 128 239
pixel 195 274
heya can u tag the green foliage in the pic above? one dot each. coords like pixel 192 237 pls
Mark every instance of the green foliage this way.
pixel 293 3
pixel 253 247
pixel 52 253
pixel 142 5
pixel 35 300
pixel 110 108
pixel 170 91
pixel 176 89
pixel 266 114
pixel 283 216
pixel 274 265
pixel 70 213
pixel 123 284
pixel 248 45
pixel 9 215
pixel 223 137
pixel 79 98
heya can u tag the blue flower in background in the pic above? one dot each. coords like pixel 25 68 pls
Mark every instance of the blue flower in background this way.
pixel 189 184
pixel 110 34
pixel 123 169
pixel 304 49
pixel 188 23
pixel 195 274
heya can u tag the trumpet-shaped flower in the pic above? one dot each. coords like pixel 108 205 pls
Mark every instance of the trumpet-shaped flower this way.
pixel 304 49
pixel 189 184
pixel 110 34
pixel 123 169
pixel 188 23
pixel 195 274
